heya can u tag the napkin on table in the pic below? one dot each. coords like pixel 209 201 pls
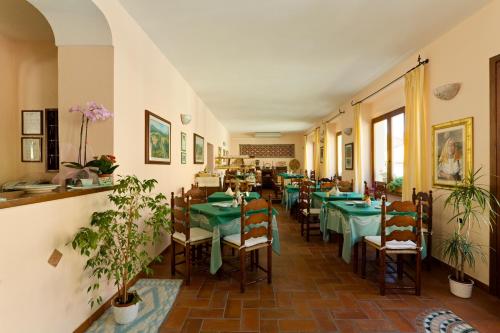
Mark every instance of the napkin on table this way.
pixel 229 191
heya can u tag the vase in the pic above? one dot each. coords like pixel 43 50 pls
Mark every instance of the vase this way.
pixel 461 289
pixel 126 313
pixel 106 180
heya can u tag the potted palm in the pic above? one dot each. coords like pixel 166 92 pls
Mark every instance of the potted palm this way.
pixel 115 243
pixel 472 205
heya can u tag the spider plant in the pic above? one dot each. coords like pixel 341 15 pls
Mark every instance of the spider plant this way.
pixel 472 205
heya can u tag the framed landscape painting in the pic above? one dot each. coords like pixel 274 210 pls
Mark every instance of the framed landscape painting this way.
pixel 349 156
pixel 158 139
pixel 198 149
pixel 452 155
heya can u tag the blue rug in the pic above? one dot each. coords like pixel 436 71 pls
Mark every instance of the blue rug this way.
pixel 158 296
pixel 443 321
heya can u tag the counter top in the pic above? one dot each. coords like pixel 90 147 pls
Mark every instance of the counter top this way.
pixel 60 193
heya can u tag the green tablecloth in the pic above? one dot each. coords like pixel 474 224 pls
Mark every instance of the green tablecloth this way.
pixel 353 223
pixel 223 222
pixel 291 195
pixel 290 175
pixel 319 197
pixel 222 196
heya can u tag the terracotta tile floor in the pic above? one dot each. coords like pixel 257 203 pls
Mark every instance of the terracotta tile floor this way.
pixel 314 291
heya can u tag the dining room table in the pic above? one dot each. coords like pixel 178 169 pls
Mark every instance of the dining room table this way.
pixel 291 195
pixel 318 198
pixel 223 220
pixel 223 196
pixel 354 221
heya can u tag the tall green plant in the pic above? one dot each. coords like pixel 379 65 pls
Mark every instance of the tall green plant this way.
pixel 472 205
pixel 116 241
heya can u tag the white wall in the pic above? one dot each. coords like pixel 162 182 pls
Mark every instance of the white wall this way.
pixel 460 55
pixel 296 139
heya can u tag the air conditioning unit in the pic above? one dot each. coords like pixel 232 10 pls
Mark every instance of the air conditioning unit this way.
pixel 267 134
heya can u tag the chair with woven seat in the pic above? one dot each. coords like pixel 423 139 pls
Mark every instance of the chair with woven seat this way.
pixel 307 216
pixel 377 190
pixel 399 235
pixel 184 235
pixel 326 186
pixel 426 199
pixel 256 231
pixel 312 175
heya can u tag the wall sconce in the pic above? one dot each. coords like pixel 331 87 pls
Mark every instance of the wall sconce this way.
pixel 185 118
pixel 447 91
pixel 348 131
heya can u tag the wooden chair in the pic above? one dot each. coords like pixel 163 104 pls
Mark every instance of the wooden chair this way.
pixel 377 190
pixel 184 235
pixel 307 216
pixel 394 240
pixel 312 176
pixel 326 186
pixel 426 200
pixel 255 236
pixel 346 186
pixel 197 194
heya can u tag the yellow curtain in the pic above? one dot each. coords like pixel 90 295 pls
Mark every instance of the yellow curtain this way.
pixel 305 152
pixel 358 170
pixel 326 159
pixel 416 146
pixel 316 152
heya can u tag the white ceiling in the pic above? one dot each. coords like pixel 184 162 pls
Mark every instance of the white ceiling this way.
pixel 281 65
pixel 20 20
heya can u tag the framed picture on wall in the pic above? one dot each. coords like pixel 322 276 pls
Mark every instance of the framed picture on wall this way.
pixel 183 157
pixel 32 122
pixel 198 149
pixel 452 152
pixel 183 141
pixel 157 140
pixel 31 149
pixel 349 156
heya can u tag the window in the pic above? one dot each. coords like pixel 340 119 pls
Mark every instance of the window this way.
pixel 339 153
pixel 388 146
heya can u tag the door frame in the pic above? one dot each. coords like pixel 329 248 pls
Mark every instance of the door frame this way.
pixel 494 284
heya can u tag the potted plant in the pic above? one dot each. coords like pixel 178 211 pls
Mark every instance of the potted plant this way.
pixel 104 166
pixel 472 205
pixel 395 185
pixel 116 243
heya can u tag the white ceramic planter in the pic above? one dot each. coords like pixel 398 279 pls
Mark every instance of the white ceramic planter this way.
pixel 463 290
pixel 125 314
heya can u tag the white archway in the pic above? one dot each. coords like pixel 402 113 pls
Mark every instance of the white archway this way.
pixel 75 22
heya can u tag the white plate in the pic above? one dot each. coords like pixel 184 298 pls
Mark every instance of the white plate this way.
pixel 73 187
pixel 222 204
pixel 40 188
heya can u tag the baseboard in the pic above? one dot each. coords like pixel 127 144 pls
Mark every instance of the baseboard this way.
pixel 106 305
pixel 479 284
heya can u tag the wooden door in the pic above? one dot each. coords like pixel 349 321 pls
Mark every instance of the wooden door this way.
pixel 495 170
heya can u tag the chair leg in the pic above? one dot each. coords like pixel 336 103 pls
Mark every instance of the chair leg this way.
pixel 363 258
pixel 188 264
pixel 301 220
pixel 269 263
pixel 418 273
pixel 355 258
pixel 172 262
pixel 428 259
pixel 252 260
pixel 400 266
pixel 242 270
pixel 381 272
pixel 308 222
pixel 257 259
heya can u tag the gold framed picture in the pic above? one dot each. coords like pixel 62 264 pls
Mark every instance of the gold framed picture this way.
pixel 452 152
pixel 157 140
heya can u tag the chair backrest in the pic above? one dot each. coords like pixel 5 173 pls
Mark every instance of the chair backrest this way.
pixel 179 213
pixel 326 186
pixel 426 199
pixel 401 227
pixel 346 186
pixel 304 200
pixel 254 213
pixel 197 194
pixel 312 176
pixel 379 189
